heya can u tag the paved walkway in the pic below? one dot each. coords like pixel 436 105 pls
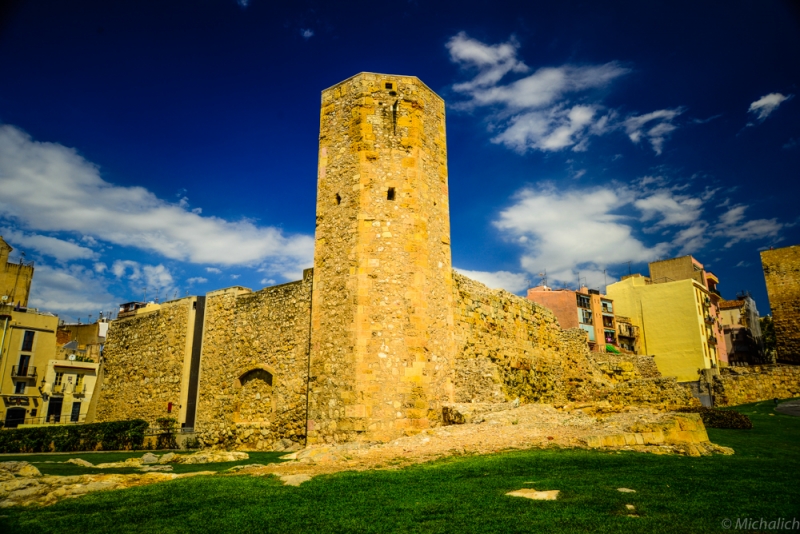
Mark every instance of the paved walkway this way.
pixel 789 408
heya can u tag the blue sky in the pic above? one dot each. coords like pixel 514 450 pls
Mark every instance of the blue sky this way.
pixel 171 147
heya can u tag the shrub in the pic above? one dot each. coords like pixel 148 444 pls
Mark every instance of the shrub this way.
pixel 166 440
pixel 113 436
pixel 716 418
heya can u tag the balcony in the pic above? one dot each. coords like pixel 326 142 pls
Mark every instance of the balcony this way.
pixel 712 340
pixel 708 318
pixel 28 372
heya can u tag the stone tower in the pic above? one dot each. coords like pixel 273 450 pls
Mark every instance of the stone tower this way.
pixel 382 339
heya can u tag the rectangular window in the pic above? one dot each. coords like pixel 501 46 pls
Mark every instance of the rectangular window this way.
pixel 78 380
pixel 390 194
pixel 27 341
pixel 583 301
pixel 59 379
pixel 19 388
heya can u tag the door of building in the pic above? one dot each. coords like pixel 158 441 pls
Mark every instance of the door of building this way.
pixel 54 409
pixel 76 412
pixel 14 417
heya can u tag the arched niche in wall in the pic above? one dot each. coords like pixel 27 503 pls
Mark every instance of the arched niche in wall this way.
pixel 255 400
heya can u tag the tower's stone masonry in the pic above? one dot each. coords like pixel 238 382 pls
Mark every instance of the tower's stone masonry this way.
pixel 782 275
pixel 382 313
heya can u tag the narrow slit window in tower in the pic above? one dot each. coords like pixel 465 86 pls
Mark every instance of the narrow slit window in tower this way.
pixel 389 86
pixel 338 199
pixel 390 194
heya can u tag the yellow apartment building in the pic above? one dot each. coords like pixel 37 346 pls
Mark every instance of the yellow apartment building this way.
pixel 27 344
pixel 674 320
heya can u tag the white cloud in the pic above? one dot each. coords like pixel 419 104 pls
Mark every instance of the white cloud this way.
pixel 213 270
pixel 120 269
pixel 235 276
pixel 767 104
pixel 692 239
pixel 48 187
pixel 511 282
pixel 157 276
pixel 196 280
pixel 100 267
pixel 267 282
pixel 73 291
pixel 552 108
pixel 552 129
pixel 669 209
pixel 491 61
pixel 57 248
pixel 734 229
pixel 655 127
pixel 578 233
pixel 572 232
pixel 306 33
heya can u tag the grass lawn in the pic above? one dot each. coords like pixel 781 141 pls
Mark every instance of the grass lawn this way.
pixel 673 494
pixel 42 462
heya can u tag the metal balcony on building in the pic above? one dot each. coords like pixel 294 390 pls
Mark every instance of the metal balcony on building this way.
pixel 28 371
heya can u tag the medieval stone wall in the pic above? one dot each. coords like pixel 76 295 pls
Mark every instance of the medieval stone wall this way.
pixel 508 347
pixel 144 360
pixel 626 366
pixel 254 367
pixel 782 275
pixel 742 385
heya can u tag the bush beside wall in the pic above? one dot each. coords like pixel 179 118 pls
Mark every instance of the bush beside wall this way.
pixel 112 436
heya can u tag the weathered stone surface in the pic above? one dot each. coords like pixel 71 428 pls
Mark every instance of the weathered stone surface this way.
pixel 530 493
pixel 208 457
pixel 51 489
pixel 743 385
pixel 782 275
pixel 151 468
pixel 382 340
pixel 79 461
pixel 144 364
pixel 167 458
pixel 255 367
pixel 20 469
pixel 295 480
pixel 149 458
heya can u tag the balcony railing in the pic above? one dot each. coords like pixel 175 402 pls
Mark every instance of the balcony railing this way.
pixel 708 318
pixel 28 371
pixel 712 340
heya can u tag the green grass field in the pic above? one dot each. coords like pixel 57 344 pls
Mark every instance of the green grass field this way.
pixel 673 494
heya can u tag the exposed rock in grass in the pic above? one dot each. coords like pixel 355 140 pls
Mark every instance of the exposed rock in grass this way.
pixel 530 493
pixel 23 469
pixel 80 462
pixel 208 457
pixel 46 490
pixel 626 490
pixel 149 458
pixel 295 480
